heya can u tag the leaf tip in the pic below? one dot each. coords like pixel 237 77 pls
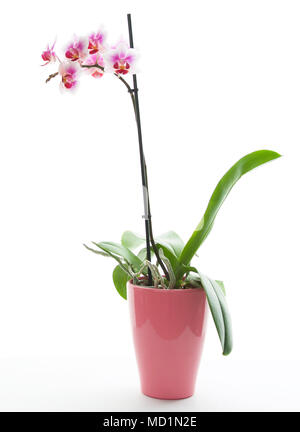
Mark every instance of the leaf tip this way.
pixel 277 155
pixel 274 154
pixel 227 349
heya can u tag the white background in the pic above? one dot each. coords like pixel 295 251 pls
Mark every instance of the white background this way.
pixel 217 79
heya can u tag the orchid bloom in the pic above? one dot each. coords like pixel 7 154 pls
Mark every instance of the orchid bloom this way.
pixel 93 56
pixel 96 42
pixel 95 59
pixel 121 59
pixel 68 74
pixel 49 55
pixel 76 51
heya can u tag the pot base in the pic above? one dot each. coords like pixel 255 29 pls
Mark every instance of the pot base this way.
pixel 161 397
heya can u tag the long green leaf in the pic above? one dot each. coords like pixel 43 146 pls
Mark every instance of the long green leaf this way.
pixel 247 163
pixel 219 310
pixel 120 279
pixel 226 316
pixel 117 249
pixel 97 251
pixel 107 253
pixel 124 265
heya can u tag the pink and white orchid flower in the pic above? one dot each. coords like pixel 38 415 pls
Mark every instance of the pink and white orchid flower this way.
pixel 96 42
pixel 49 55
pixel 76 51
pixel 68 74
pixel 121 59
pixel 95 59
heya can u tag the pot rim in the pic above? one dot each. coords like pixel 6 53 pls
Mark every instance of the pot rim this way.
pixel 152 288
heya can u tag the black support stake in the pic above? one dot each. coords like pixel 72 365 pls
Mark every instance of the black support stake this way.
pixel 147 215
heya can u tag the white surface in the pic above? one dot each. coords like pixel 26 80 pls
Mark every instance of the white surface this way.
pixel 217 80
pixel 86 384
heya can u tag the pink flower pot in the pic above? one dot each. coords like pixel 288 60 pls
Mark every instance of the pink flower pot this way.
pixel 168 331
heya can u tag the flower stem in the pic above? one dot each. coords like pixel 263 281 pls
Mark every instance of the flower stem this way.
pixel 51 76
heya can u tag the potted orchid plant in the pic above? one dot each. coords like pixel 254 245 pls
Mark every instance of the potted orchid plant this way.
pixel 169 296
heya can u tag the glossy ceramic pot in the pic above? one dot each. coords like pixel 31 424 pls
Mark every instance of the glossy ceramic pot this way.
pixel 168 332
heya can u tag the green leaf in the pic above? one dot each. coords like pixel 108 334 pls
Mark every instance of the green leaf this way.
pixel 119 250
pixel 219 310
pixel 247 163
pixel 124 266
pixel 96 251
pixel 173 240
pixel 131 240
pixel 120 279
